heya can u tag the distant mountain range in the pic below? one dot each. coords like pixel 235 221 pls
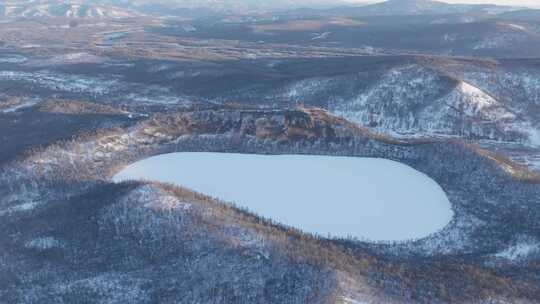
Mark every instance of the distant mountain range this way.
pixel 421 7
pixel 525 14
pixel 60 8
pixel 129 8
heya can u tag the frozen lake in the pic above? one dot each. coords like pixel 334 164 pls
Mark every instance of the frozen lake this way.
pixel 369 198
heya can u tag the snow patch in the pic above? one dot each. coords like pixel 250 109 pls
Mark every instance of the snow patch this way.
pixel 62 82
pixel 70 58
pixel 188 28
pixel 519 251
pixel 27 104
pixel 517 27
pixel 481 104
pixel 321 36
pixel 12 59
pixel 169 202
pixel 346 300
pixel 24 206
pixel 44 243
pixel 470 90
pixel 156 198
pixel 534 136
pixel 19 208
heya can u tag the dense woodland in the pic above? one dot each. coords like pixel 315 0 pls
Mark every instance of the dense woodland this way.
pixel 150 242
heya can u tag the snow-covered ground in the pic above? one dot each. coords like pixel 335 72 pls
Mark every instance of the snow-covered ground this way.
pixel 100 86
pixel 44 243
pixel 12 58
pixel 69 58
pixel 24 103
pixel 374 199
pixel 519 251
pixel 62 82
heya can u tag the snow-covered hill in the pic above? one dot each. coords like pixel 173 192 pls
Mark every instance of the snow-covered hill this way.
pixel 425 7
pixel 409 7
pixel 129 8
pixel 233 5
pixel 415 100
pixel 418 100
pixel 60 8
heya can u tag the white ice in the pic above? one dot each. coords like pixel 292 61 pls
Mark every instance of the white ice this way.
pixel 367 198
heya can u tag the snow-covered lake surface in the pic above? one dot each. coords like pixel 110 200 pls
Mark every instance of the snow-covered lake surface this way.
pixel 368 198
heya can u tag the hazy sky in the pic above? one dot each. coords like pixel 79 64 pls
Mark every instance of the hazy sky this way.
pixel 533 3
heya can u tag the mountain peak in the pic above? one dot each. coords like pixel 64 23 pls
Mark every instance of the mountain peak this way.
pixel 413 2
pixel 415 7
